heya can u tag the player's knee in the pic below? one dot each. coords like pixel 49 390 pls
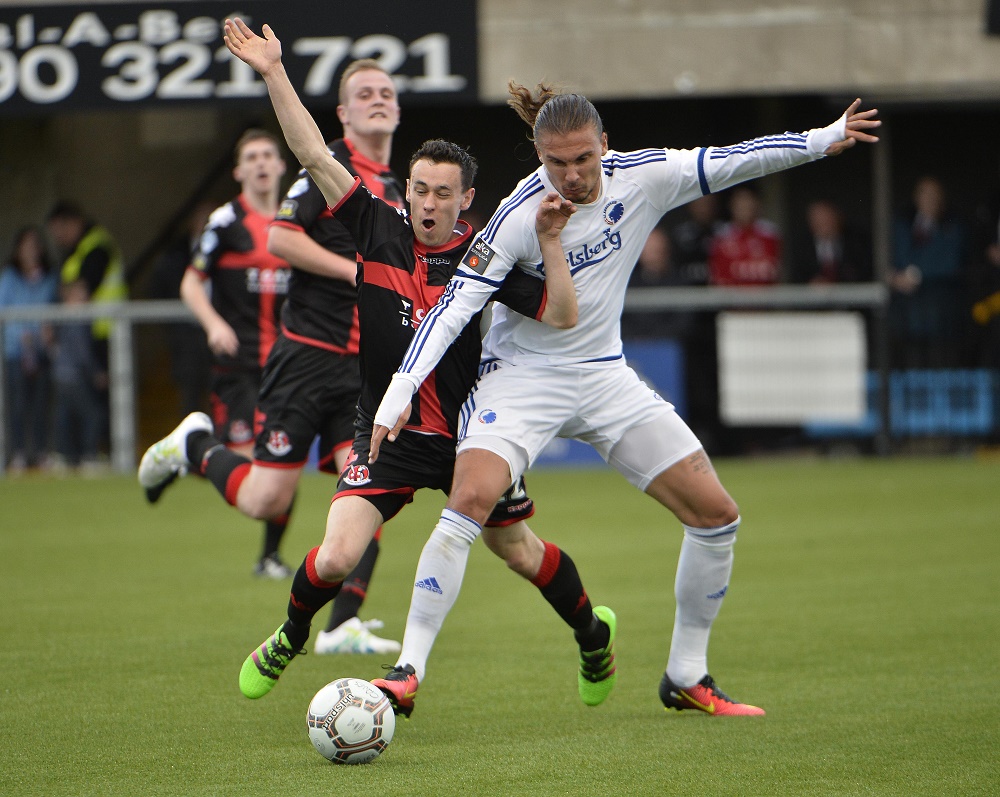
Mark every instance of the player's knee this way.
pixel 724 513
pixel 471 500
pixel 264 502
pixel 333 563
pixel 720 513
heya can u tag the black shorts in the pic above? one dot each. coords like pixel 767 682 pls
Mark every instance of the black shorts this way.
pixel 305 391
pixel 233 398
pixel 410 463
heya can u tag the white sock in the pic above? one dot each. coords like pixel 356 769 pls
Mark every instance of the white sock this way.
pixel 438 581
pixel 703 570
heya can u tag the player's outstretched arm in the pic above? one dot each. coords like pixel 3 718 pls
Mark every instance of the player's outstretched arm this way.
pixel 301 132
pixel 856 129
pixel 561 309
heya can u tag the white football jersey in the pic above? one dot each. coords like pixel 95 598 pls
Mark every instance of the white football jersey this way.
pixel 601 241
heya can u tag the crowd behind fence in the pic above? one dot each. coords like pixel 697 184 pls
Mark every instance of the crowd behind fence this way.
pixel 870 300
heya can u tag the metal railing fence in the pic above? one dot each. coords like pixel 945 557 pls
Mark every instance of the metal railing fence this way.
pixel 125 316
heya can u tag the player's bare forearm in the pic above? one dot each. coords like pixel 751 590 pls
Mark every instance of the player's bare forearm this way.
pixel 305 253
pixel 301 131
pixel 561 308
pixel 220 335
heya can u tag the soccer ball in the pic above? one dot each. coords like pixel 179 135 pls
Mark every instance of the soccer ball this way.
pixel 350 721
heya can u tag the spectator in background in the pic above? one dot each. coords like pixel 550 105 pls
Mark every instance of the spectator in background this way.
pixel 832 251
pixel 92 258
pixel 655 269
pixel 691 245
pixel 691 240
pixel 27 279
pixel 747 251
pixel 190 357
pixel 78 381
pixel 928 280
pixel 986 309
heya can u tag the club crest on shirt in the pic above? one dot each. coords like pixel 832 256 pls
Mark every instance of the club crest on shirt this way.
pixel 478 257
pixel 278 443
pixel 613 212
pixel 487 416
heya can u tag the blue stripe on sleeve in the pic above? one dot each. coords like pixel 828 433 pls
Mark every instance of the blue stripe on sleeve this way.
pixel 472 275
pixel 529 189
pixel 417 344
pixel 788 140
pixel 632 159
pixel 702 178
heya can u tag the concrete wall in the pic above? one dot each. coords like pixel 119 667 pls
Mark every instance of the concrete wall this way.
pixel 649 48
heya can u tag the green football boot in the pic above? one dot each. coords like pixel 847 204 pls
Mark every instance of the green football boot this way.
pixel 597 674
pixel 263 667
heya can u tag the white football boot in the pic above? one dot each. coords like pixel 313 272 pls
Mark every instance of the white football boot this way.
pixel 166 459
pixel 353 636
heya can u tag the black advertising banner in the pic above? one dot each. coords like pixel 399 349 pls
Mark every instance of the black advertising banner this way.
pixel 123 55
pixel 993 17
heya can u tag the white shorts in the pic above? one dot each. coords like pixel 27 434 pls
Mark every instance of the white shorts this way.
pixel 516 410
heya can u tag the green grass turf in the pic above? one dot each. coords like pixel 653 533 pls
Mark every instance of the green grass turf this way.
pixel 862 615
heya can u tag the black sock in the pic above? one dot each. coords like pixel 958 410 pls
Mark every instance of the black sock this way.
pixel 226 470
pixel 198 444
pixel 297 635
pixel 595 637
pixel 210 458
pixel 355 587
pixel 560 584
pixel 309 594
pixel 274 530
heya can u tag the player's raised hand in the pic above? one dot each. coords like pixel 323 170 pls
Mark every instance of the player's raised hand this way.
pixel 260 53
pixel 552 215
pixel 857 125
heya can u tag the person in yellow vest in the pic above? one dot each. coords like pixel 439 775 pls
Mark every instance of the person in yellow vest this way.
pixel 92 256
pixel 93 261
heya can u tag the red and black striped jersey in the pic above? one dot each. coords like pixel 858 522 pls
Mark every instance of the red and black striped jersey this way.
pixel 400 281
pixel 322 311
pixel 249 284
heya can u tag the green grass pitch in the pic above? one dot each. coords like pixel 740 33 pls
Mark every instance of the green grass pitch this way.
pixel 862 614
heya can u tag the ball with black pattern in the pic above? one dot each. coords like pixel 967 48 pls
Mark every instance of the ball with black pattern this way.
pixel 350 721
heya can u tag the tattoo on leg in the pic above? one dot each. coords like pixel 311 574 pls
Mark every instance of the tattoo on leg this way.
pixel 700 463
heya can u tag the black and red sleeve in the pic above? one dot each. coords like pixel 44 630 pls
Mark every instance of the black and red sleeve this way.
pixel 522 293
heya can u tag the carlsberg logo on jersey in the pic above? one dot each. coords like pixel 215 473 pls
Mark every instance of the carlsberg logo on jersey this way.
pixel 591 253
